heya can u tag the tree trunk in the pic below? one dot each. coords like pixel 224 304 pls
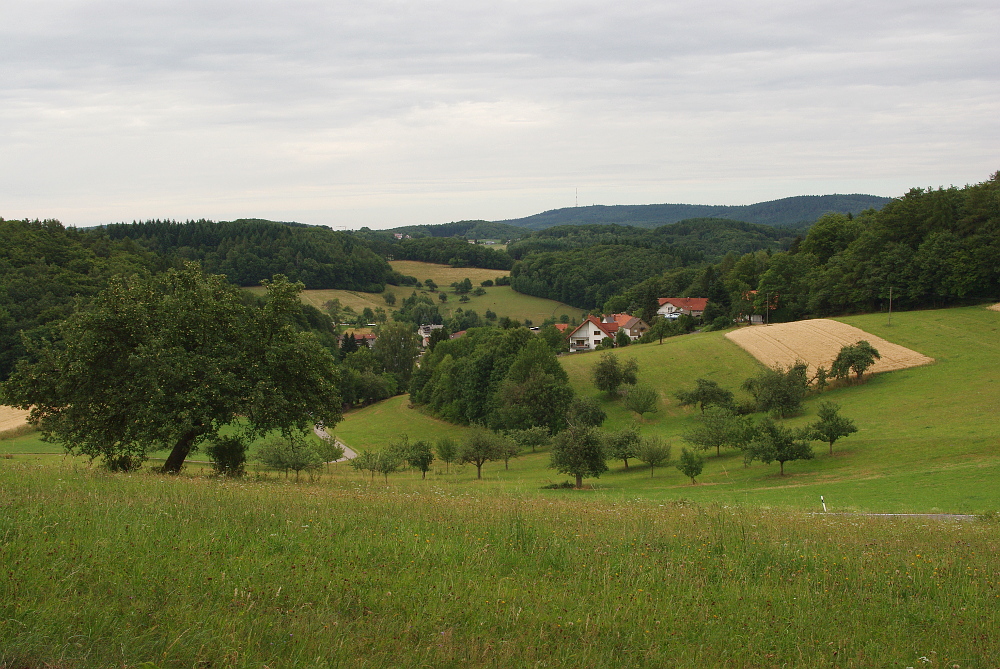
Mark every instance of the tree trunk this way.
pixel 782 465
pixel 180 451
pixel 579 481
pixel 479 471
pixel 831 448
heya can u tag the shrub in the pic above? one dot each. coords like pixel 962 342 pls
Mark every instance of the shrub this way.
pixel 228 455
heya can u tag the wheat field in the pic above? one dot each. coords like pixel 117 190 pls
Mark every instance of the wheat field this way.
pixel 11 418
pixel 817 342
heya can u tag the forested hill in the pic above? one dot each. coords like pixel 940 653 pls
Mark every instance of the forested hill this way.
pixel 698 239
pixel 787 211
pixel 248 251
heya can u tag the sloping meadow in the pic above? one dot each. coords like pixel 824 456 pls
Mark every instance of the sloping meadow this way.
pixel 103 570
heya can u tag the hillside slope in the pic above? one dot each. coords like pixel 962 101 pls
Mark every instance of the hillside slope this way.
pixel 927 435
pixel 782 212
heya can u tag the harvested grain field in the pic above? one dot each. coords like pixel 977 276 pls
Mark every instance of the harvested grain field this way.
pixel 11 418
pixel 994 307
pixel 817 342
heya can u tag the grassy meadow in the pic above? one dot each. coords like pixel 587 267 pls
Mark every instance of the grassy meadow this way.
pixel 151 571
pixel 148 571
pixel 928 439
pixel 501 300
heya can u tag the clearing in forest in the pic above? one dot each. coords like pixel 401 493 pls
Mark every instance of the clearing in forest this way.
pixel 817 342
pixel 11 418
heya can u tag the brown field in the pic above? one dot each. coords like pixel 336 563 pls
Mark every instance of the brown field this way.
pixel 11 418
pixel 994 307
pixel 817 343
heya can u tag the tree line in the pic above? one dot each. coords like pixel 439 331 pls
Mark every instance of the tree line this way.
pixel 248 251
pixel 929 248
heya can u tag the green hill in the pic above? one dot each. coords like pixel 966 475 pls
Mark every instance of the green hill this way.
pixel 783 212
pixel 927 436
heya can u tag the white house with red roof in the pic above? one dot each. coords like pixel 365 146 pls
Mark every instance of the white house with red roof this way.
pixel 588 334
pixel 672 307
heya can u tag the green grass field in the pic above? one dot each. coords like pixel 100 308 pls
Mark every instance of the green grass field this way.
pixel 502 300
pixel 151 571
pixel 928 438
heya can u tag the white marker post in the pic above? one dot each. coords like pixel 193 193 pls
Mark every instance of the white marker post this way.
pixel 823 502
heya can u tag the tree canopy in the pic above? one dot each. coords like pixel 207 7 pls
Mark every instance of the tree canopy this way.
pixel 168 361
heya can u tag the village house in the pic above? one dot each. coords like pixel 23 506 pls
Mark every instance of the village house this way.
pixel 672 307
pixel 633 325
pixel 366 339
pixel 588 334
pixel 424 332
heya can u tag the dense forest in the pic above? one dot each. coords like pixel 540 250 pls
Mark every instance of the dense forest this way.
pixel 46 269
pixel 932 248
pixel 586 265
pixel 248 251
pixel 789 211
pixel 500 378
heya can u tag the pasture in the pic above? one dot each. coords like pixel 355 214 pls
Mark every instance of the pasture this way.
pixel 927 441
pixel 149 571
pixel 501 300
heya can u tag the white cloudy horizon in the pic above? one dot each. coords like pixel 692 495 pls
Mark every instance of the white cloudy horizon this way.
pixel 384 114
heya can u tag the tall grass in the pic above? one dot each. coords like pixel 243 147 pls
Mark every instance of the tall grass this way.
pixel 107 570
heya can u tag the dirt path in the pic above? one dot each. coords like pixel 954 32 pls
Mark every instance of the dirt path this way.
pixel 349 453
pixel 994 307
pixel 928 516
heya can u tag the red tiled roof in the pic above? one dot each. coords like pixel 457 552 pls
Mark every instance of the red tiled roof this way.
pixel 686 303
pixel 623 320
pixel 607 328
pixel 561 326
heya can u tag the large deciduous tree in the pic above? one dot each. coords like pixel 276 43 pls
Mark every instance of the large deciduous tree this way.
pixel 773 442
pixel 610 374
pixel 579 451
pixel 168 361
pixel 855 358
pixel 831 426
pixel 705 393
pixel 720 427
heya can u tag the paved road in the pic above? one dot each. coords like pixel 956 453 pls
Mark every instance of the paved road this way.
pixel 349 453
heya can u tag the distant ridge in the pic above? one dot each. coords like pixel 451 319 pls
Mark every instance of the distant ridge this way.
pixel 787 211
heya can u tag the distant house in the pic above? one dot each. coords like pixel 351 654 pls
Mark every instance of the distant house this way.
pixel 457 334
pixel 672 307
pixel 366 339
pixel 424 332
pixel 588 334
pixel 561 327
pixel 633 325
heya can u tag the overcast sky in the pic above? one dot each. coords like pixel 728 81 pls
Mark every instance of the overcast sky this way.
pixel 385 113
